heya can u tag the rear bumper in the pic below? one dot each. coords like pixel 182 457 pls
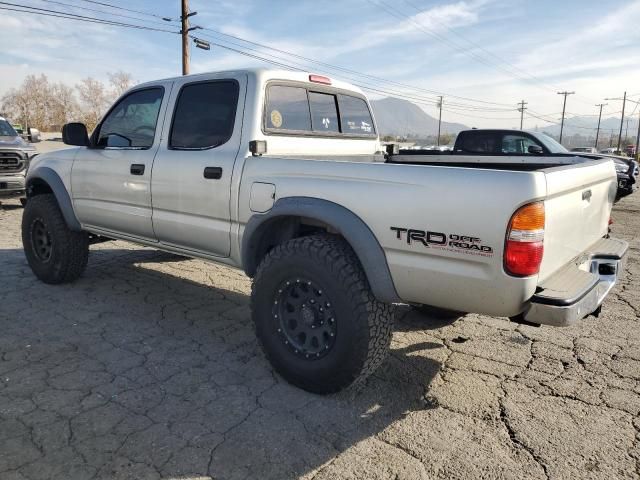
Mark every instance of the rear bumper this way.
pixel 579 288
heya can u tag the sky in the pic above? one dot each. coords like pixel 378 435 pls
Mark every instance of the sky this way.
pixel 483 56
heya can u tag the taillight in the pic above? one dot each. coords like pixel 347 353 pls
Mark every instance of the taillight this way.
pixel 525 241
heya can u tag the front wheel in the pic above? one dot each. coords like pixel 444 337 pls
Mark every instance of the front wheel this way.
pixel 316 317
pixel 55 253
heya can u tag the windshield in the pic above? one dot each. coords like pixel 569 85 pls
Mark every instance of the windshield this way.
pixel 6 130
pixel 550 143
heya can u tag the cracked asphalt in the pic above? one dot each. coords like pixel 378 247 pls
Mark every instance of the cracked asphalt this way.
pixel 148 368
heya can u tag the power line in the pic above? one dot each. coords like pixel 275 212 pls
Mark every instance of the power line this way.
pixel 382 4
pixel 105 4
pixel 456 108
pixel 72 16
pixel 317 62
pixel 89 9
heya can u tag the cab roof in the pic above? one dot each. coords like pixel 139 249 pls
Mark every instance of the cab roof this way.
pixel 263 75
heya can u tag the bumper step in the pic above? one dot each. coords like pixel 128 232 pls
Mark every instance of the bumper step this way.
pixel 579 288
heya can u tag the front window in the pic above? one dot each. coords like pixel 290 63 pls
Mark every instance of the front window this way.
pixel 132 122
pixel 518 144
pixel 550 143
pixel 6 130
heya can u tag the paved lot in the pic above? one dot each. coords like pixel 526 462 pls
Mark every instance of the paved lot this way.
pixel 148 368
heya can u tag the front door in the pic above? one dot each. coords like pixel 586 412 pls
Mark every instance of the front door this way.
pixel 191 185
pixel 111 180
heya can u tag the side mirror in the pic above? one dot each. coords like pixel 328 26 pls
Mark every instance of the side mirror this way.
pixel 75 134
pixel 535 149
pixel 33 135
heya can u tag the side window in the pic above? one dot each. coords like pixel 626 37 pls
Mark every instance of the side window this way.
pixel 517 144
pixel 204 115
pixel 355 116
pixel 324 112
pixel 132 122
pixel 480 142
pixel 287 108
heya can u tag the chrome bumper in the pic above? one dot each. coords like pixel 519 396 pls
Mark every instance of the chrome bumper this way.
pixel 12 185
pixel 578 289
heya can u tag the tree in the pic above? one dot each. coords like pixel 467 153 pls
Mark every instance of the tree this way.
pixel 446 138
pixel 120 82
pixel 94 100
pixel 64 106
pixel 29 103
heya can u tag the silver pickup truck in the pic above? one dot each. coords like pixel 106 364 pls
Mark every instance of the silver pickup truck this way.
pixel 281 174
pixel 15 154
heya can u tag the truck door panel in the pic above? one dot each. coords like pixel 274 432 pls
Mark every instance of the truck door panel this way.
pixel 111 181
pixel 191 184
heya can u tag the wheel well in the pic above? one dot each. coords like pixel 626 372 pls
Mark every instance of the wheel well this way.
pixel 279 230
pixel 38 187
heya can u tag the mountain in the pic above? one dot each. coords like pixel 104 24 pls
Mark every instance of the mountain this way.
pixel 586 126
pixel 401 117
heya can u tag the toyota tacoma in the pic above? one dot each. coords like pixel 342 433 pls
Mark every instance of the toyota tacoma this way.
pixel 281 174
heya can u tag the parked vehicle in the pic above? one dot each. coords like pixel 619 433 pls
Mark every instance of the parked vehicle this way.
pixel 584 150
pixel 630 150
pixel 280 173
pixel 30 134
pixel 532 147
pixel 609 151
pixel 15 155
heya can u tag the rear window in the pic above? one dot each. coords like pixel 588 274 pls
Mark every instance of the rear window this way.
pixel 324 112
pixel 479 142
pixel 204 115
pixel 288 108
pixel 303 111
pixel 355 115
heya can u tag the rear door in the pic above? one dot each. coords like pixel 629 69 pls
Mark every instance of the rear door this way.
pixel 111 181
pixel 191 183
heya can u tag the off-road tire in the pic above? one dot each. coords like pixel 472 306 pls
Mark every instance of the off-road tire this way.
pixel 363 325
pixel 68 251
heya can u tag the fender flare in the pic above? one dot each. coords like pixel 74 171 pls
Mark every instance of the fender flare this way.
pixel 344 221
pixel 51 178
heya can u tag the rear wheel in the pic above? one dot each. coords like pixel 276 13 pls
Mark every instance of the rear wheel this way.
pixel 315 315
pixel 55 253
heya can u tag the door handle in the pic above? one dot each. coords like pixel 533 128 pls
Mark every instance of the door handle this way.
pixel 214 173
pixel 137 169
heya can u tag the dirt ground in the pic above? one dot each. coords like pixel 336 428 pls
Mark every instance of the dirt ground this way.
pixel 148 368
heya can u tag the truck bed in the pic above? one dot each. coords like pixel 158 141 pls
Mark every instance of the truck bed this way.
pixel 526 163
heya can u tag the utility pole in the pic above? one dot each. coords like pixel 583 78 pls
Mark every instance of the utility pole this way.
pixel 626 132
pixel 184 18
pixel 185 37
pixel 522 109
pixel 564 106
pixel 624 102
pixel 439 117
pixel 638 139
pixel 599 118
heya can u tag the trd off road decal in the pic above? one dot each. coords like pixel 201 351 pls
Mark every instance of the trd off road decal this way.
pixel 450 242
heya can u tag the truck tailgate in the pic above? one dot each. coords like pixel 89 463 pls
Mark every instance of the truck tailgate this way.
pixel 577 208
